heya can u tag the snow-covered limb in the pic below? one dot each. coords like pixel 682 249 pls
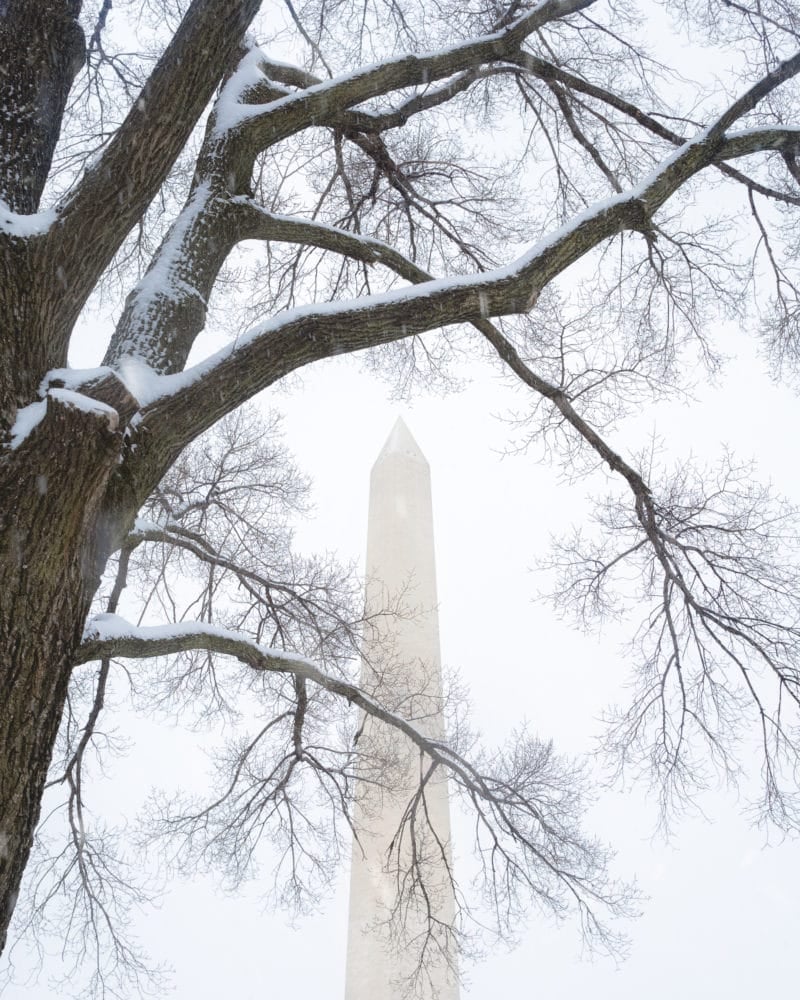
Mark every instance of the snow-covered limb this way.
pixel 276 120
pixel 273 122
pixel 764 139
pixel 167 311
pixel 113 194
pixel 192 400
pixel 110 636
pixel 526 817
pixel 372 121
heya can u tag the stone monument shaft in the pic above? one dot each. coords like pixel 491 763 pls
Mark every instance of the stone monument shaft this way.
pixel 389 958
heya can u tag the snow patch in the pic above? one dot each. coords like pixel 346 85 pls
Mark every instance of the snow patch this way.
pixel 28 417
pixel 72 378
pixel 26 225
pixel 109 626
pixel 78 401
pixel 228 109
pixel 164 277
pixel 139 378
pixel 142 526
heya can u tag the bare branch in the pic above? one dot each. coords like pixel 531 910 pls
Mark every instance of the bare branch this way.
pixel 529 825
pixel 136 163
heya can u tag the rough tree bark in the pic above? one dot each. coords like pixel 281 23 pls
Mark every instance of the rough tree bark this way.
pixel 48 538
pixel 36 80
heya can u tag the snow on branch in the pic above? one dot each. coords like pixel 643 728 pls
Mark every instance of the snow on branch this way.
pixel 109 635
pixel 527 800
pixel 271 122
pixel 22 226
pixel 305 334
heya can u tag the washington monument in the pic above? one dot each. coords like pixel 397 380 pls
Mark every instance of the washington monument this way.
pixel 401 897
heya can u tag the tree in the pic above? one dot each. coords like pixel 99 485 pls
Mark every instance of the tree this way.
pixel 383 222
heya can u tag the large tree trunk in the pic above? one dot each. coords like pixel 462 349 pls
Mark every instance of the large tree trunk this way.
pixel 56 531
pixel 53 543
pixel 52 482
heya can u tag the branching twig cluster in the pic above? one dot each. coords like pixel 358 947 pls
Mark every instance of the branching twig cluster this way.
pixel 712 557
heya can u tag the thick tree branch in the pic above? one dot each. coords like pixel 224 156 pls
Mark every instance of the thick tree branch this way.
pixel 194 399
pixel 262 126
pixel 35 80
pixel 374 122
pixel 165 313
pixel 115 192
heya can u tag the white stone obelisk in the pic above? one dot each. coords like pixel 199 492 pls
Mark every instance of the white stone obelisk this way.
pixel 394 947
